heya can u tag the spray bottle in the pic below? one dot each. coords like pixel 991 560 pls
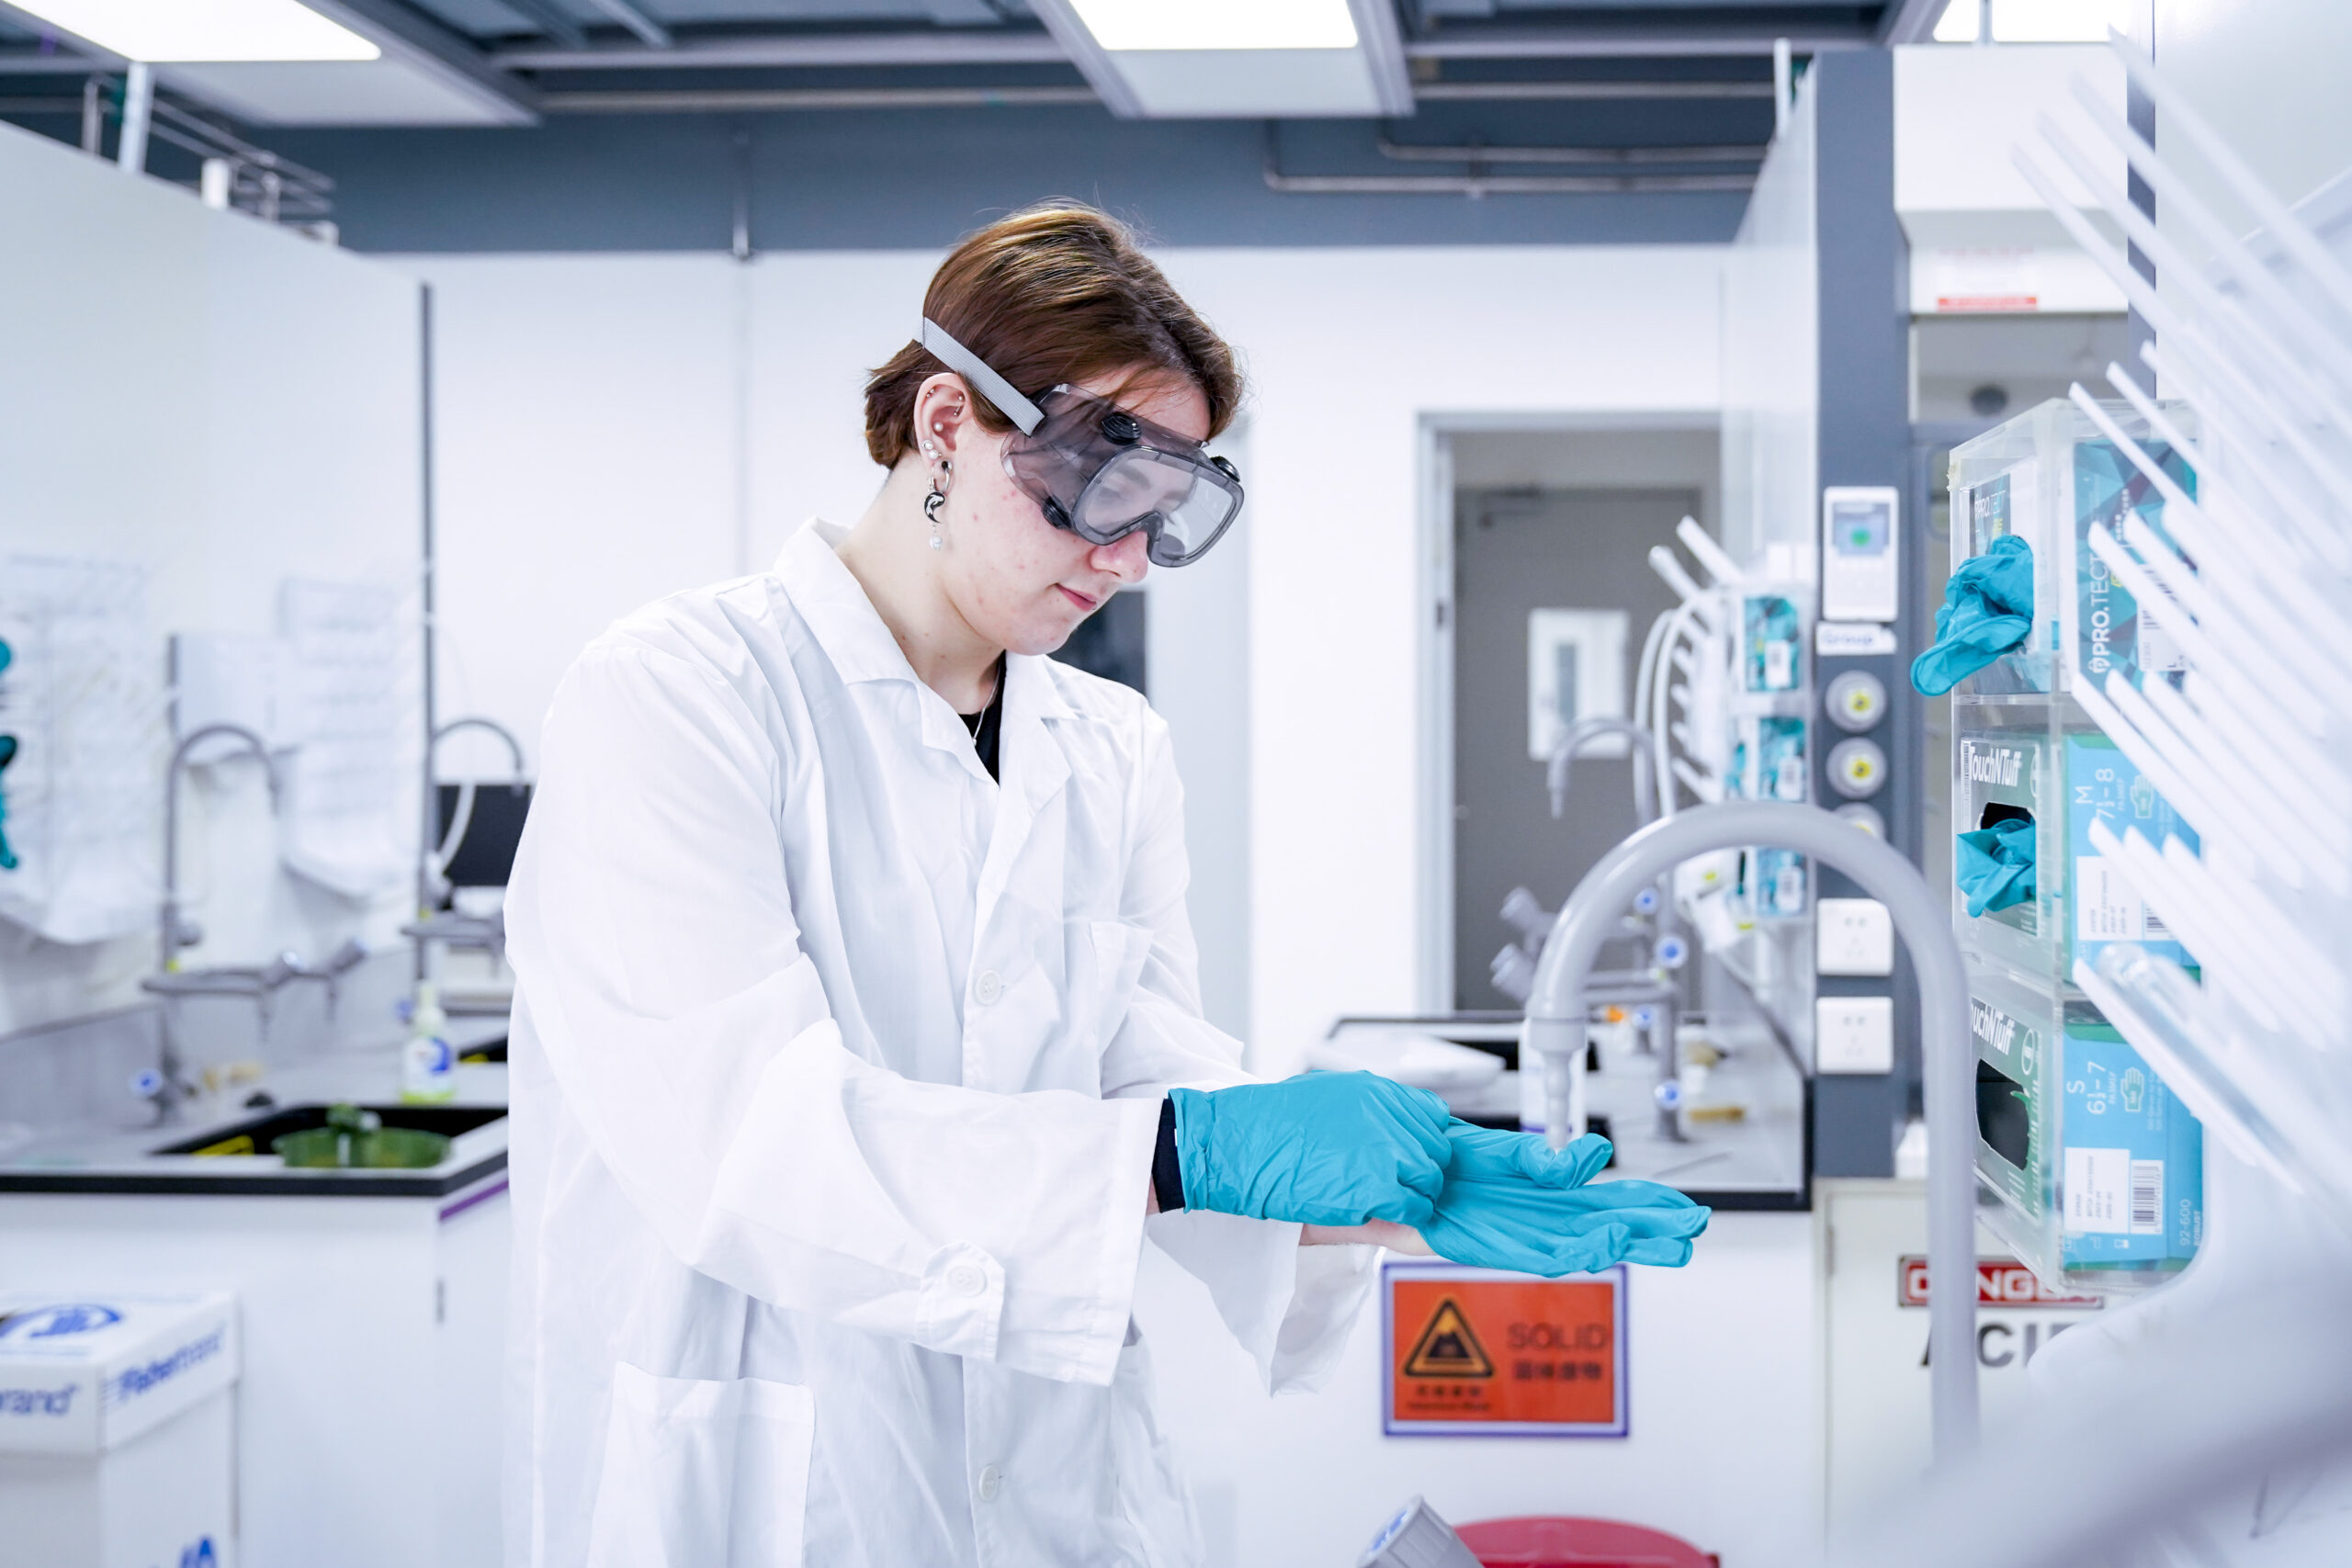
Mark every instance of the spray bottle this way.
pixel 429 1067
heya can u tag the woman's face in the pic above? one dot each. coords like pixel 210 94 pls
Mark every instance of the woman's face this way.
pixel 1018 580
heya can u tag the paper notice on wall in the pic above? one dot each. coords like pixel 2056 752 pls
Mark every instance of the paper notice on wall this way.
pixel 1997 278
pixel 83 695
pixel 340 708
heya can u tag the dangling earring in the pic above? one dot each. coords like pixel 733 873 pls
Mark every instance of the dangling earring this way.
pixel 931 506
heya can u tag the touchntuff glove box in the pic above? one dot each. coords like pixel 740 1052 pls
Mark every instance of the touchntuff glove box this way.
pixel 2064 785
pixel 2096 1167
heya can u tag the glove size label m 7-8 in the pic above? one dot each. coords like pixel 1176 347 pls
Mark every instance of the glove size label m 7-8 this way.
pixel 1473 1352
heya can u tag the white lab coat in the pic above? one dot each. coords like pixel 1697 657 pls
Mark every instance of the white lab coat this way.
pixel 836 1074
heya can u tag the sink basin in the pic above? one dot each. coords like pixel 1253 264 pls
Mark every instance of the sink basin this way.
pixel 252 1136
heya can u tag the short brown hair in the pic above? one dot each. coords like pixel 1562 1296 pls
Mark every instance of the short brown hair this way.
pixel 1059 293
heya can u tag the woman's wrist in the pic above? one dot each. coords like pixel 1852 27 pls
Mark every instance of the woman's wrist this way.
pixel 1372 1233
pixel 1167 1170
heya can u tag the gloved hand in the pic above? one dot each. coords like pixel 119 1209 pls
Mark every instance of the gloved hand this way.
pixel 1987 610
pixel 1532 1228
pixel 1994 865
pixel 1481 1154
pixel 1324 1149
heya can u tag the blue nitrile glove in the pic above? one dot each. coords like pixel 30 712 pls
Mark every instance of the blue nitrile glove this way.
pixel 1323 1149
pixel 1987 610
pixel 1994 865
pixel 1483 1154
pixel 1532 1228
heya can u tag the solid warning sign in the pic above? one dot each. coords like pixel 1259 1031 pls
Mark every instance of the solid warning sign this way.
pixel 1474 1353
pixel 1448 1348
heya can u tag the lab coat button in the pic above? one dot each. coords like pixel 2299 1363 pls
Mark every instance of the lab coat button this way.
pixel 966 1281
pixel 991 1478
pixel 987 987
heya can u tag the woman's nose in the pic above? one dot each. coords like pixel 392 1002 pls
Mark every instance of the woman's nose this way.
pixel 1126 559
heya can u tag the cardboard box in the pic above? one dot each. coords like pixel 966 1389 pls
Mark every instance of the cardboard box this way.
pixel 117 1428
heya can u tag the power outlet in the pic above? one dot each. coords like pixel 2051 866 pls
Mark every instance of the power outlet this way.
pixel 1853 1035
pixel 1852 936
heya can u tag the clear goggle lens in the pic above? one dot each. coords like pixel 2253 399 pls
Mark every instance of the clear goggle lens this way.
pixel 1184 503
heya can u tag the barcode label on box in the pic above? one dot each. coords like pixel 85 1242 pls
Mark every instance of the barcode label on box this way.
pixel 2147 1196
pixel 2106 908
pixel 2098 1191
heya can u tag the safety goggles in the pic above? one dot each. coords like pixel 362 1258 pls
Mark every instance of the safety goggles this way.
pixel 1100 473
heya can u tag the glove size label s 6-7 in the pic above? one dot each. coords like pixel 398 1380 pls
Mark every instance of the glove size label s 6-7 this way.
pixel 1473 1352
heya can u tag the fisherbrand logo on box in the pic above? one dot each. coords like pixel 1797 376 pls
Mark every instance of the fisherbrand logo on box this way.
pixel 132 1381
pixel 38 1401
pixel 56 1322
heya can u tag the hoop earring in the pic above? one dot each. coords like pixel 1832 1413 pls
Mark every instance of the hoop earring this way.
pixel 931 505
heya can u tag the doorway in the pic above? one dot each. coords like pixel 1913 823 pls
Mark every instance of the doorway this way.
pixel 1551 595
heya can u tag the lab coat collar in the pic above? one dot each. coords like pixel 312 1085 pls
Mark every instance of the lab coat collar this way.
pixel 836 608
pixel 860 645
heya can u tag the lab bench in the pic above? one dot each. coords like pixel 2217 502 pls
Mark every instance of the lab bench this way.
pixel 372 1302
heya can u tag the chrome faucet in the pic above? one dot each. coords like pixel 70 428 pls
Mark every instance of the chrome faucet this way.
pixel 168 1087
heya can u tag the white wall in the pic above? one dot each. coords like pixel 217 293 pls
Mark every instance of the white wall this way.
pixel 589 448
pixel 2268 75
pixel 1349 352
pixel 1723 1429
pixel 1771 352
pixel 228 404
pixel 615 428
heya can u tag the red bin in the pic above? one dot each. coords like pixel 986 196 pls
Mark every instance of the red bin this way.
pixel 1556 1542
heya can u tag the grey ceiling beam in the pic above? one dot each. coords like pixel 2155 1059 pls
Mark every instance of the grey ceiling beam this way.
pixel 1621 43
pixel 1023 46
pixel 552 19
pixel 1909 21
pixel 84 56
pixel 1094 62
pixel 650 33
pixel 1384 52
pixel 760 100
pixel 417 40
pixel 404 35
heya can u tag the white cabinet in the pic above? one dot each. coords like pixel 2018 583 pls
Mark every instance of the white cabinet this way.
pixel 367 1418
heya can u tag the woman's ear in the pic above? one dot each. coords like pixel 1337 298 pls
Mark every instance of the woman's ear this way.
pixel 943 417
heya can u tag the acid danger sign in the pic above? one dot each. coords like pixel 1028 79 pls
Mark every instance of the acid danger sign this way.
pixel 1475 1353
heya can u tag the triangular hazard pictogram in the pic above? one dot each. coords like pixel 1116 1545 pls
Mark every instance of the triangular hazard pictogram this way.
pixel 1447 1349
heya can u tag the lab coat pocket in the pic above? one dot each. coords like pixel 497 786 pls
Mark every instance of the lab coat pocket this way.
pixel 1120 951
pixel 702 1473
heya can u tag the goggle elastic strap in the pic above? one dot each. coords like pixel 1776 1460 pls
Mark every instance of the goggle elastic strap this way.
pixel 973 369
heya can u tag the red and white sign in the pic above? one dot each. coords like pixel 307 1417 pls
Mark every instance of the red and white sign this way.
pixel 1473 1353
pixel 2000 1283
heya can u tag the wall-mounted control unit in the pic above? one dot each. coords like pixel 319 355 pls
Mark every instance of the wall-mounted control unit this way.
pixel 1860 577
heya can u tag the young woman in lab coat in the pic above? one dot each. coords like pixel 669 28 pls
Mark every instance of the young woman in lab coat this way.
pixel 854 996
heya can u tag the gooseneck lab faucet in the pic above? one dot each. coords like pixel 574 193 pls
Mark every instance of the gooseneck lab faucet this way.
pixel 173 930
pixel 1556 1012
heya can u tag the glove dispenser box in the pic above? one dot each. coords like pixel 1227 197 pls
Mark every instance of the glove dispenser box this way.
pixel 2052 477
pixel 1769 703
pixel 2011 767
pixel 2089 1168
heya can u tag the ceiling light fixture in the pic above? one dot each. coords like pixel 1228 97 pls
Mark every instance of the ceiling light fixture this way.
pixel 2034 21
pixel 213 30
pixel 1122 25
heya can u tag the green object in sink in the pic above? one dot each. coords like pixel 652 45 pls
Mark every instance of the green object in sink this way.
pixel 357 1139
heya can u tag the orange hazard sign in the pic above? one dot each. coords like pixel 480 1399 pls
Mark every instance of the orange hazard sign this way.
pixel 1473 1353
